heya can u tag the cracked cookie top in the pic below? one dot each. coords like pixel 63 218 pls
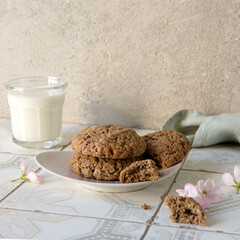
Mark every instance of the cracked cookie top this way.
pixel 109 141
pixel 167 147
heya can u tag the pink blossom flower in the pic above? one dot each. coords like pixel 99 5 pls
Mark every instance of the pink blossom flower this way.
pixel 230 181
pixel 208 192
pixel 28 174
pixel 204 193
pixel 188 191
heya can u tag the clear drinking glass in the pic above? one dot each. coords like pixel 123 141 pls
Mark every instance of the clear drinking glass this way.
pixel 36 110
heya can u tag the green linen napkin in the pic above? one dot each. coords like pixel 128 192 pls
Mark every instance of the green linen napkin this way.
pixel 205 130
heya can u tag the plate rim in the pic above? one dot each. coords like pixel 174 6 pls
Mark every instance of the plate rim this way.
pixel 102 182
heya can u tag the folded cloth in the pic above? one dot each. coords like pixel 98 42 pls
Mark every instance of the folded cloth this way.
pixel 205 130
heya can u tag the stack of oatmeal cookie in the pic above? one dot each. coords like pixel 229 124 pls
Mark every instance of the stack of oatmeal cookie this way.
pixel 102 152
pixel 112 152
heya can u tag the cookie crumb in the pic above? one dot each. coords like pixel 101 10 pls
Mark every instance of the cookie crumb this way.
pixel 145 206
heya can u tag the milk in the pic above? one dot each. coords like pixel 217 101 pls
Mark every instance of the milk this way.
pixel 36 118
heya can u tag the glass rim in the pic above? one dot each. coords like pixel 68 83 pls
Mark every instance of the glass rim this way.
pixel 57 83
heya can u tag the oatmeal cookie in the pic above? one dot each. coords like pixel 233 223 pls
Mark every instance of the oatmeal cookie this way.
pixel 109 141
pixel 98 168
pixel 185 210
pixel 140 171
pixel 167 147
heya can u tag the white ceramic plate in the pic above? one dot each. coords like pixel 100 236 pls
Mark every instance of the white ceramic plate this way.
pixel 58 163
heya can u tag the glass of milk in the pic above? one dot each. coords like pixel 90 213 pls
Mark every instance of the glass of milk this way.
pixel 36 110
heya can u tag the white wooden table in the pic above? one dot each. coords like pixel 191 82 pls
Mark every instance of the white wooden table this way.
pixel 61 209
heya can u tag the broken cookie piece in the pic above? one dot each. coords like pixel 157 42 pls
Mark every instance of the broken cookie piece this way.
pixel 140 171
pixel 185 210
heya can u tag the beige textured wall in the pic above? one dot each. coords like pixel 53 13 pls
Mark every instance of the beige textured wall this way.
pixel 132 62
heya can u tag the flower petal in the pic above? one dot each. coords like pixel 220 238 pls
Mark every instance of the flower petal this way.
pixel 191 190
pixel 181 192
pixel 203 202
pixel 188 187
pixel 215 195
pixel 200 186
pixel 228 179
pixel 236 172
pixel 23 165
pixel 39 180
pixel 26 169
pixel 33 177
pixel 209 184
